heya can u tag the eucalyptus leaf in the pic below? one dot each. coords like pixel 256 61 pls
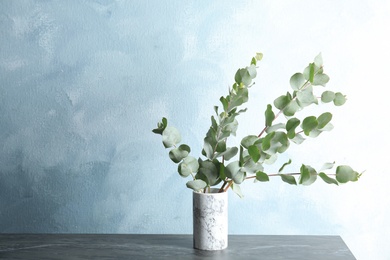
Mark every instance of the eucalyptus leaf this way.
pixel 318 60
pixel 249 140
pixel 298 139
pixel 288 179
pixel 210 171
pixel 229 153
pixel 282 101
pixel 324 119
pixel 308 175
pixel 308 124
pixel 306 97
pixel 233 171
pixel 262 176
pixel 237 190
pixel 297 81
pixel 320 80
pixel 291 108
pixel 291 125
pixel 269 115
pixel 284 165
pixel 179 153
pixel 327 179
pixel 254 152
pixel 170 136
pixel 327 166
pixel 188 166
pixel 345 173
pixel 161 126
pixel 196 185
pixel 327 96
pixel 339 99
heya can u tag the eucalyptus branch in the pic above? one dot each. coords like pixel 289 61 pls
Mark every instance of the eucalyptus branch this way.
pixel 254 150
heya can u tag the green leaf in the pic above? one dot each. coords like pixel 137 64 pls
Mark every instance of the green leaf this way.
pixel 179 153
pixel 298 139
pixel 266 143
pixel 229 153
pixel 320 80
pixel 253 61
pixel 236 189
pixel 339 99
pixel 262 176
pixel 252 71
pixel 196 185
pixel 210 171
pixel 275 127
pixel 269 115
pixel 308 124
pixel 327 179
pixel 327 96
pixel 254 153
pixel 170 136
pixel 291 108
pixel 187 166
pixel 297 81
pixel 233 171
pixel 345 173
pixel 259 56
pixel 243 76
pixel 311 73
pixel 225 103
pixel 161 126
pixel 288 179
pixel 282 101
pixel 306 97
pixel 308 175
pixel 249 140
pixel 318 60
pixel 324 119
pixel 284 165
pixel 327 166
pixel 291 125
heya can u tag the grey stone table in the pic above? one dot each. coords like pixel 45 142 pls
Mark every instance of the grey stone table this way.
pixel 104 246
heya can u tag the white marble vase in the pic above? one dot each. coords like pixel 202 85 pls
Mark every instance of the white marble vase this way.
pixel 210 216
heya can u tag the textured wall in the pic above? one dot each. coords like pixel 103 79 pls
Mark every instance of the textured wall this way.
pixel 82 83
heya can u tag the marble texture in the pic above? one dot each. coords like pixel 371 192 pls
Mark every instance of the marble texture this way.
pixel 210 217
pixel 125 246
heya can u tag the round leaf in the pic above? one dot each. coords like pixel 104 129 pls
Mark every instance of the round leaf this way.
pixel 171 136
pixel 196 185
pixel 178 154
pixel 339 99
pixel 308 124
pixel 187 166
pixel 327 96
pixel 291 125
pixel 297 80
pixel 345 173
pixel 233 171
pixel 320 80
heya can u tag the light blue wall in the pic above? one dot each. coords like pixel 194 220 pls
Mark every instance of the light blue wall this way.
pixel 82 83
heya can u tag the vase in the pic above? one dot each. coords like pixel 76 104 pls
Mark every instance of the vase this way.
pixel 210 217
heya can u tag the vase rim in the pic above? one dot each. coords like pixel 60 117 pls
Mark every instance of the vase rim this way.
pixel 214 192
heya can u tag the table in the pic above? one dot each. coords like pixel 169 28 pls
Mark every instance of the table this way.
pixel 131 246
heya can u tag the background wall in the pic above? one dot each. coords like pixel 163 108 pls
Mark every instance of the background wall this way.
pixel 82 83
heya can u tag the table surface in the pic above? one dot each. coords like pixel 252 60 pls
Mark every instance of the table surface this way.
pixel 126 246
